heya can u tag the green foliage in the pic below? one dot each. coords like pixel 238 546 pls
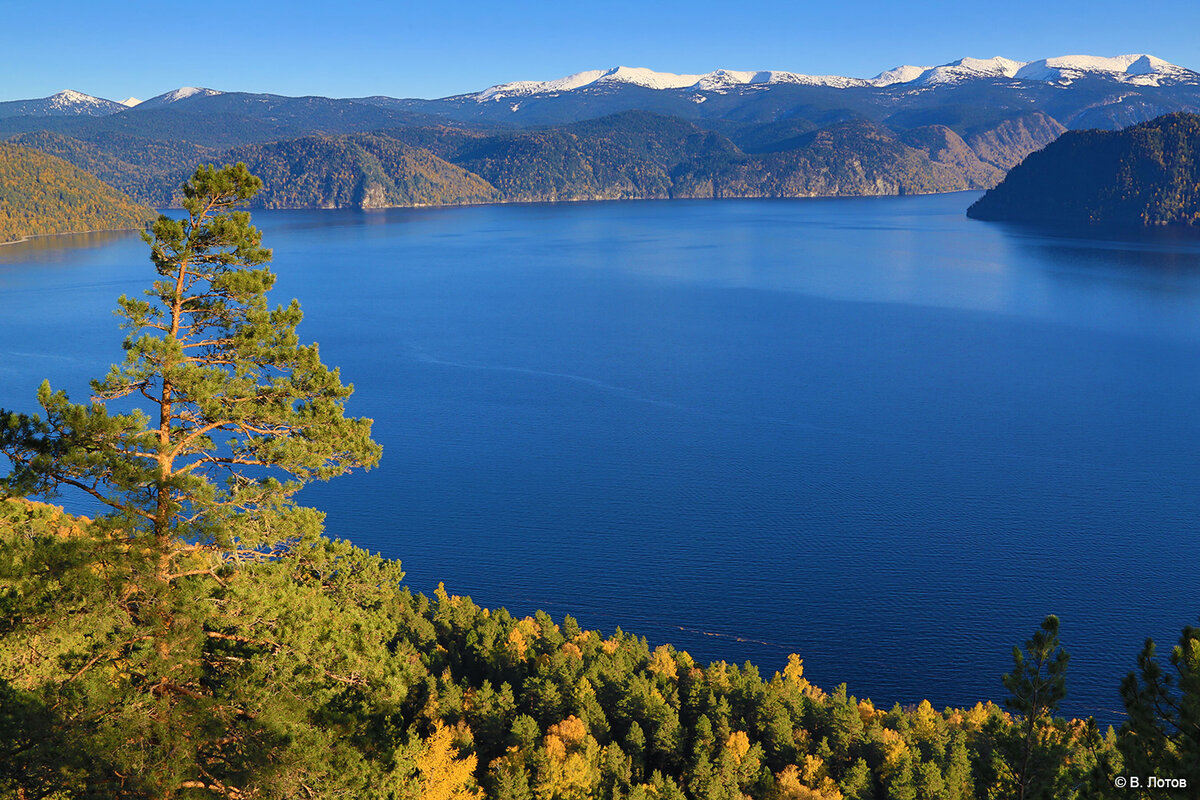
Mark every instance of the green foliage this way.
pixel 1034 751
pixel 1148 174
pixel 41 194
pixel 1162 734
pixel 276 676
pixel 212 360
pixel 318 673
pixel 170 590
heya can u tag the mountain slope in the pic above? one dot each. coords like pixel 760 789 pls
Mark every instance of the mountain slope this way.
pixel 148 170
pixel 1006 144
pixel 68 103
pixel 1138 69
pixel 41 194
pixel 1148 174
pixel 362 171
pixel 643 155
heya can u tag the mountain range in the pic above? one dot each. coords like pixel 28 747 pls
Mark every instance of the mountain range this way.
pixel 621 132
pixel 1061 71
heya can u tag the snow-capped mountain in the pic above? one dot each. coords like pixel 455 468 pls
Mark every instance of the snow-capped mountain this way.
pixel 176 95
pixel 1137 69
pixel 649 79
pixel 1142 70
pixel 130 102
pixel 68 103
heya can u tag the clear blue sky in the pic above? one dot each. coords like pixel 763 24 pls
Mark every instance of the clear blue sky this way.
pixel 432 49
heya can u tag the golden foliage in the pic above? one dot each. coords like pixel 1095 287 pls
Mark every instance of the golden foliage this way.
pixel 662 663
pixel 895 748
pixel 794 674
pixel 570 732
pixel 796 784
pixel 41 194
pixel 738 744
pixel 572 771
pixel 926 722
pixel 445 776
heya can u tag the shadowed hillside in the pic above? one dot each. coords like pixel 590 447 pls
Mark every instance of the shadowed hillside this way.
pixel 1148 174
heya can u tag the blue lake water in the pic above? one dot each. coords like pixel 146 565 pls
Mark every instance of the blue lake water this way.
pixel 871 432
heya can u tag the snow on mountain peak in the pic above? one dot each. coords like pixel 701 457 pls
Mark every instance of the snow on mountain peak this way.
pixel 69 98
pixel 184 92
pixel 129 102
pixel 174 96
pixel 968 68
pixel 1137 69
pixel 650 79
pixel 902 74
pixel 520 88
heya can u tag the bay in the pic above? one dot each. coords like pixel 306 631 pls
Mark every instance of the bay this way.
pixel 871 431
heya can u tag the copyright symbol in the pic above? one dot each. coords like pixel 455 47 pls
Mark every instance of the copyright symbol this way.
pixel 1120 782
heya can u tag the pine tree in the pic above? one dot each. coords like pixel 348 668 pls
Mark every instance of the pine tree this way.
pixel 212 360
pixel 1033 746
pixel 1162 734
pixel 162 586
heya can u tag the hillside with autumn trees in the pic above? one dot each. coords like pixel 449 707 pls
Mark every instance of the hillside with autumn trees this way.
pixel 318 674
pixel 42 194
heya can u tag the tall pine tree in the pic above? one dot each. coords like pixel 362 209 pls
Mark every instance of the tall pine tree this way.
pixel 194 447
pixel 229 388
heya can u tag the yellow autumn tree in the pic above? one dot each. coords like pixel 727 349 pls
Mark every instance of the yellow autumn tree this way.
pixel 662 663
pixel 571 770
pixel 445 776
pixel 793 675
pixel 810 783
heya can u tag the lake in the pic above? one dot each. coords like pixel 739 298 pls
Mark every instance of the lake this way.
pixel 868 431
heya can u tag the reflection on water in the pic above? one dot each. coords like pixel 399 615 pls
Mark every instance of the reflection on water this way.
pixel 60 247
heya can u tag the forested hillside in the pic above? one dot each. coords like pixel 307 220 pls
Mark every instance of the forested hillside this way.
pixel 362 171
pixel 1148 174
pixel 320 675
pixel 41 194
pixel 630 155
pixel 146 169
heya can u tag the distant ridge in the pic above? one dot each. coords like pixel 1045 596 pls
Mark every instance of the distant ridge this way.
pixel 67 103
pixel 1138 69
pixel 1135 69
pixel 176 95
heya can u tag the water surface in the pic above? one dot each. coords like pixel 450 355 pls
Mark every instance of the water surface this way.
pixel 871 432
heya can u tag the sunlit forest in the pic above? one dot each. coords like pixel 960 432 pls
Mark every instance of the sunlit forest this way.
pixel 41 194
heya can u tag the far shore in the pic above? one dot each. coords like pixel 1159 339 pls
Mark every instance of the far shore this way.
pixel 31 237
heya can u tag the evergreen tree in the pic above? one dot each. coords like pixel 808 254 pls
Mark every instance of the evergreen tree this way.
pixel 175 627
pixel 1033 746
pixel 213 361
pixel 1162 734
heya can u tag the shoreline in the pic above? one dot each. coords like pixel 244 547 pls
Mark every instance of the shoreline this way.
pixel 33 236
